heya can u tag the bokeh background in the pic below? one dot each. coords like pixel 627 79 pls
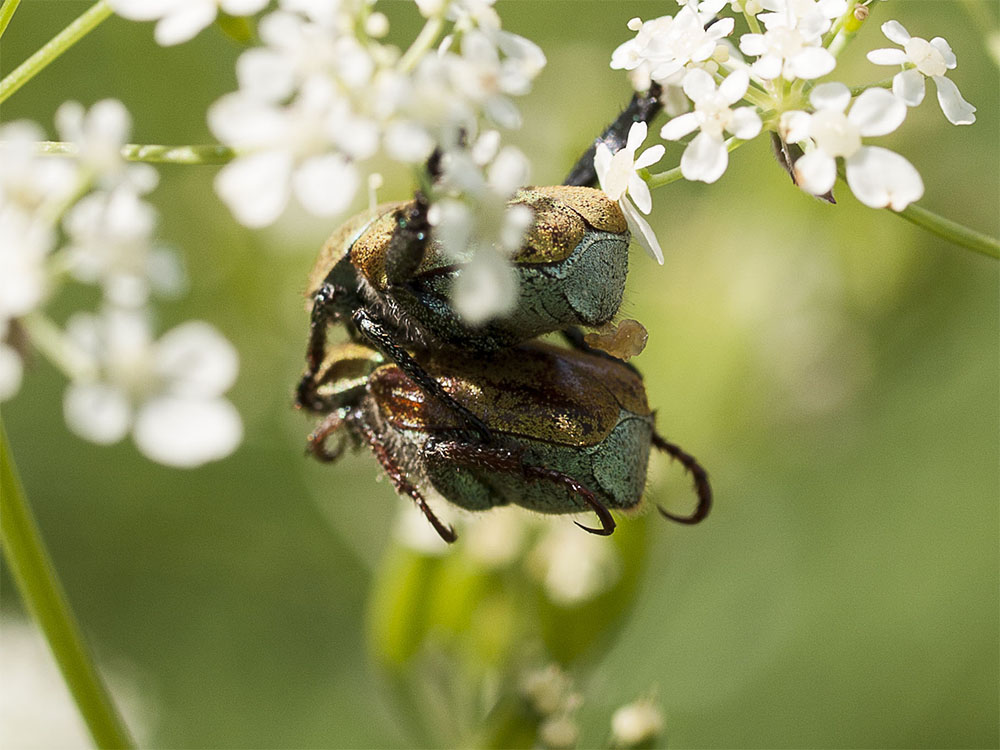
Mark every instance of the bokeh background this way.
pixel 835 368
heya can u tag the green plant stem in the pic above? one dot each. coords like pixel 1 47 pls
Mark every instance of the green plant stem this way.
pixel 6 12
pixel 58 44
pixel 885 83
pixel 425 40
pixel 673 175
pixel 152 153
pixel 951 230
pixel 41 591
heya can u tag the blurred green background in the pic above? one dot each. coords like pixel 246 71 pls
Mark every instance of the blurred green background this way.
pixel 834 368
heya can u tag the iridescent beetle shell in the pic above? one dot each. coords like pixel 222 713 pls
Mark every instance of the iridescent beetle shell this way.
pixel 571 271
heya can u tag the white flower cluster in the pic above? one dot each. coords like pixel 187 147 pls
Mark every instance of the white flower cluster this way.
pixel 323 95
pixel 790 44
pixel 86 218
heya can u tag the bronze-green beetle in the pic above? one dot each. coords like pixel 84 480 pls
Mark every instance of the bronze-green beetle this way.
pixel 571 431
pixel 383 276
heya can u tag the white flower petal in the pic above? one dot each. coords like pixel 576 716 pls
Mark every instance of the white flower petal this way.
pixel 266 74
pixel 767 67
pixel 812 62
pixel 326 185
pixel 877 112
pixel 834 96
pixel 636 135
pixel 602 164
pixel 184 23
pixel 97 412
pixel 879 178
pixel 638 190
pixel 641 231
pixel 704 159
pixel 909 87
pixel 887 56
pixel 486 288
pixel 619 173
pixel 735 86
pixel 141 10
pixel 185 432
pixel 955 108
pixel 745 124
pixel 408 141
pixel 815 172
pixel 942 46
pixel 11 371
pixel 242 7
pixel 196 360
pixel 679 127
pixel 753 44
pixel 895 32
pixel 650 156
pixel 256 187
pixel 794 125
pixel 698 84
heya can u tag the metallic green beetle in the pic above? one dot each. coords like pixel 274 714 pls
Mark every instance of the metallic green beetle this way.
pixel 385 279
pixel 571 431
pixel 396 293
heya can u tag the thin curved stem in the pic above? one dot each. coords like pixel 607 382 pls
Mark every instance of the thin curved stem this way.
pixel 213 153
pixel 6 11
pixel 885 83
pixel 42 593
pixel 424 41
pixel 952 231
pixel 673 175
pixel 58 44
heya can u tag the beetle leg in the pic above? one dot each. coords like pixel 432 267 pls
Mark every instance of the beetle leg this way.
pixel 697 472
pixel 398 477
pixel 316 442
pixel 305 394
pixel 642 108
pixel 383 340
pixel 501 460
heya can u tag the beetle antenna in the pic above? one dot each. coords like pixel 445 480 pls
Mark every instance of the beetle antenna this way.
pixel 701 486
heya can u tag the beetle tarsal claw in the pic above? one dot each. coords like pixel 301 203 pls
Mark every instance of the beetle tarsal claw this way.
pixel 698 474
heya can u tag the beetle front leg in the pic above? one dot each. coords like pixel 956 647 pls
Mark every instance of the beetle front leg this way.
pixel 383 340
pixel 475 456
pixel 305 394
pixel 701 486
pixel 408 244
pixel 398 478
pixel 642 108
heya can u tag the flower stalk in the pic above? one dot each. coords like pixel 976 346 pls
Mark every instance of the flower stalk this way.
pixel 151 153
pixel 6 12
pixel 43 595
pixel 951 230
pixel 58 44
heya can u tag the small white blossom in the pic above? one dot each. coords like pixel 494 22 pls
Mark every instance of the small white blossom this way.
pixel 99 134
pixel 667 44
pixel 811 17
pixel 289 150
pixel 789 52
pixel 181 20
pixel 168 392
pixel 636 723
pixel 706 157
pixel 572 567
pixel 922 59
pixel 878 177
pixel 477 228
pixel 619 179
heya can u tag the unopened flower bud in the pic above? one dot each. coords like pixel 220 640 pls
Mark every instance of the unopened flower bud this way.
pixel 636 723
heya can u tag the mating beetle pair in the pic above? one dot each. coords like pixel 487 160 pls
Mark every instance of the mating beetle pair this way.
pixel 469 412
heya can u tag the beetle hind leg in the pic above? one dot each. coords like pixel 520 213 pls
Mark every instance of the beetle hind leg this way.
pixel 398 477
pixel 478 456
pixel 701 485
pixel 316 442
